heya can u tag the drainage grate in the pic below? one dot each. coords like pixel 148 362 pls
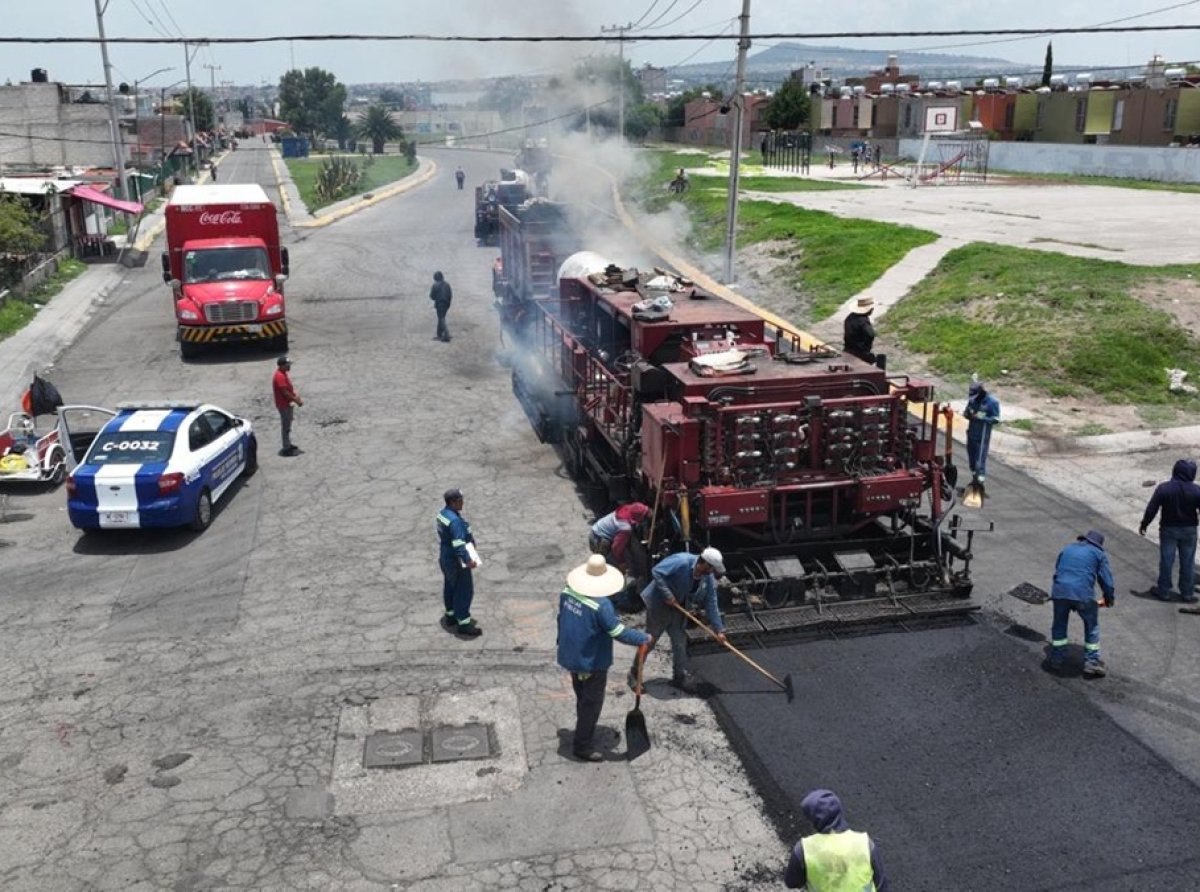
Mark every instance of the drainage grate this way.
pixel 467 742
pixel 387 749
pixel 1030 594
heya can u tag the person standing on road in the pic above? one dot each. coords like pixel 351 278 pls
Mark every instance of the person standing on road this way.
pixel 982 412
pixel 1081 565
pixel 1179 500
pixel 688 580
pixel 286 399
pixel 456 562
pixel 587 626
pixel 835 858
pixel 858 334
pixel 441 295
pixel 460 177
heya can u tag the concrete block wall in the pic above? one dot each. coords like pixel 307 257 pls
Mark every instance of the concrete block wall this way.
pixel 38 129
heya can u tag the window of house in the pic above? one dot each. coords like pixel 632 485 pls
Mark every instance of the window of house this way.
pixel 1170 110
pixel 908 116
pixel 1118 114
pixel 1080 115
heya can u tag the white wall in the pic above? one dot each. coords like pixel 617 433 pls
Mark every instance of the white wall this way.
pixel 1136 162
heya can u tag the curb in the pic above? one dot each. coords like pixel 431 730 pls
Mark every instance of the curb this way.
pixel 283 196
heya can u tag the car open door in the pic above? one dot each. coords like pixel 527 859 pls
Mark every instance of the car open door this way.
pixel 77 428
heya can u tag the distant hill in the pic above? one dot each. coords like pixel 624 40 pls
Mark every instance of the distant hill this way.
pixel 770 66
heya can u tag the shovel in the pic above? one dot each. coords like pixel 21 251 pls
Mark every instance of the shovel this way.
pixel 974 494
pixel 637 738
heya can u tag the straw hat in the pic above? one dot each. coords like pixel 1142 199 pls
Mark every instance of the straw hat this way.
pixel 596 578
pixel 865 303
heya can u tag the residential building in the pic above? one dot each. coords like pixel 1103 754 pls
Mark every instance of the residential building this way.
pixel 45 124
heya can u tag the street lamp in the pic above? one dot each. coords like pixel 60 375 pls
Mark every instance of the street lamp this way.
pixel 137 116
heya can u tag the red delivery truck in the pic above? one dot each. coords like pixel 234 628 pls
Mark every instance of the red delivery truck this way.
pixel 225 267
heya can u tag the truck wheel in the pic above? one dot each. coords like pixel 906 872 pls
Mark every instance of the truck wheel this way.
pixel 203 515
pixel 279 343
pixel 189 349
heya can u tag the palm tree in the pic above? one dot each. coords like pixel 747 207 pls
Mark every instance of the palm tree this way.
pixel 379 127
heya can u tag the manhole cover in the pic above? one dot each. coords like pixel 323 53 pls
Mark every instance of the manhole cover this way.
pixel 468 742
pixel 1030 594
pixel 387 749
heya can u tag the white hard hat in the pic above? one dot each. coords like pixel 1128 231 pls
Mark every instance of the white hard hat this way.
pixel 714 559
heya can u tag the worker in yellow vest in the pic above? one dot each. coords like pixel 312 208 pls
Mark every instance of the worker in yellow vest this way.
pixel 835 858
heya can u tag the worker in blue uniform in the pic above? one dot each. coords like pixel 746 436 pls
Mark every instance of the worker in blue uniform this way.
pixel 587 627
pixel 688 580
pixel 982 412
pixel 456 563
pixel 1081 565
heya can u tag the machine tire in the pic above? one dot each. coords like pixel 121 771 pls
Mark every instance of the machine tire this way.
pixel 251 457
pixel 58 459
pixel 203 515
pixel 188 349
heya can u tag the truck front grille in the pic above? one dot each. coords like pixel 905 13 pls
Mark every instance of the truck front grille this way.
pixel 232 311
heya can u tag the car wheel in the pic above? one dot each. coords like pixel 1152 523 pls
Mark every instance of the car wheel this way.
pixel 251 456
pixel 203 516
pixel 59 463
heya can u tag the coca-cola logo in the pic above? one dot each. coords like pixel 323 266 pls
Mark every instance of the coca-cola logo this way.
pixel 225 218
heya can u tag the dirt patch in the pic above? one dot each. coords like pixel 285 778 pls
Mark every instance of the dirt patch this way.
pixel 766 275
pixel 1179 297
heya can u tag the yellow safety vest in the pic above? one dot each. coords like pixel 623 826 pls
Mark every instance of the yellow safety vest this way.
pixel 838 862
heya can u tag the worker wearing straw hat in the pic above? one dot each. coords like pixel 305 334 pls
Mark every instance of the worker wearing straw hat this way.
pixel 587 625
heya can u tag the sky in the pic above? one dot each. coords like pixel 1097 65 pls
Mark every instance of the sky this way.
pixel 362 62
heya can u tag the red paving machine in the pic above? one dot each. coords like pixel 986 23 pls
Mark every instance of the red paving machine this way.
pixel 827 483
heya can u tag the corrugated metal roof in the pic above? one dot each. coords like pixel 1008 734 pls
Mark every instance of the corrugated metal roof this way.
pixel 36 185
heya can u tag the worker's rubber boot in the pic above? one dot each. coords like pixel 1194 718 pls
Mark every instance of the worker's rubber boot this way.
pixel 1094 669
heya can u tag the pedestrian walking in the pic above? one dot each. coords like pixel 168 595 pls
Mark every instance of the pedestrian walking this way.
pixel 690 581
pixel 855 154
pixel 1179 501
pixel 832 155
pixel 587 626
pixel 457 557
pixel 982 413
pixel 212 169
pixel 878 155
pixel 441 295
pixel 835 858
pixel 1081 565
pixel 460 177
pixel 612 533
pixel 286 399
pixel 763 146
pixel 858 334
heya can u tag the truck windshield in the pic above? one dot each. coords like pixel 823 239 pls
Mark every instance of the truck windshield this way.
pixel 219 264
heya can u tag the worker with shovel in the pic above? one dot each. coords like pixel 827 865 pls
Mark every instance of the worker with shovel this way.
pixel 688 581
pixel 982 412
pixel 587 625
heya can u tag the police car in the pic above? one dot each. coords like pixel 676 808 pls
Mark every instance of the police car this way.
pixel 152 464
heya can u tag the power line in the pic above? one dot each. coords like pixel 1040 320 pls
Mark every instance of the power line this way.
pixel 649 9
pixel 659 17
pixel 149 21
pixel 687 12
pixel 592 38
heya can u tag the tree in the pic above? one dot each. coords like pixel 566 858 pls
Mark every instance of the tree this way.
pixel 506 95
pixel 1048 65
pixel 640 120
pixel 343 131
pixel 379 127
pixel 312 101
pixel 789 108
pixel 204 116
pixel 20 234
pixel 392 98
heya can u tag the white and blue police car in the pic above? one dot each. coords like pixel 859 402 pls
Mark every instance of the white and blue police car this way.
pixel 152 464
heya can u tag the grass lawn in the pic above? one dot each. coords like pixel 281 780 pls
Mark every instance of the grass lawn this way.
pixel 1118 182
pixel 833 258
pixel 1067 326
pixel 18 310
pixel 383 169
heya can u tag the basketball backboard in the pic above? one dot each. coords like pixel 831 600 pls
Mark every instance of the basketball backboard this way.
pixel 941 118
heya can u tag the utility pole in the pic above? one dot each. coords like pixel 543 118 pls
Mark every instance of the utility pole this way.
pixel 735 158
pixel 212 89
pixel 113 122
pixel 620 30
pixel 187 64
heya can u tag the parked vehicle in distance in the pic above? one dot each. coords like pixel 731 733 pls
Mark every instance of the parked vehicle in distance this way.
pixel 152 464
pixel 225 267
pixel 29 454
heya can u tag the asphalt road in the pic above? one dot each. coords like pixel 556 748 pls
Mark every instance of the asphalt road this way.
pixel 187 711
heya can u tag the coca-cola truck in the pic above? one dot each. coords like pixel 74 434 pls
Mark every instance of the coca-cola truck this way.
pixel 225 267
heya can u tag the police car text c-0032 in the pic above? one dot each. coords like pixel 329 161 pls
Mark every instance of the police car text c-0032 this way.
pixel 152 464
